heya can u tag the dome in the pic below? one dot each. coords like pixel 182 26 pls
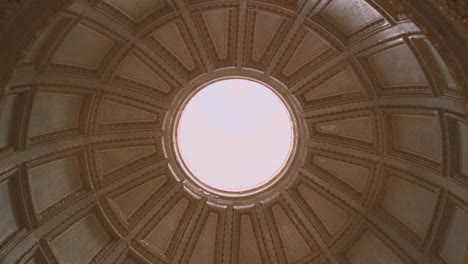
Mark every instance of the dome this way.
pixel 92 93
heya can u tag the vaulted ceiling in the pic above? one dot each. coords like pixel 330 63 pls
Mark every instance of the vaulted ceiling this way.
pixel 88 174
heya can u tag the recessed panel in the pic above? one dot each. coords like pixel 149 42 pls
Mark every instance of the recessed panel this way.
pixel 83 47
pixel 398 66
pixel 137 10
pixel 456 237
pixel 163 232
pixel 54 181
pixel 410 203
pixel 7 117
pixel 205 247
pixel 446 74
pixel 136 70
pixel 217 23
pixel 53 112
pixel 9 220
pixel 114 112
pixel 359 128
pixel 332 216
pixel 170 37
pixel 81 242
pixel 350 15
pixel 130 201
pixel 342 83
pixel 371 249
pixel 248 249
pixel 418 134
pixel 294 244
pixel 463 147
pixel 113 159
pixel 309 48
pixel 266 27
pixel 354 175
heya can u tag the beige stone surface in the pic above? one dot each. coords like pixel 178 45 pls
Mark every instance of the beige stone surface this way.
pixel 266 26
pixel 130 201
pixel 63 175
pixel 53 112
pixel 355 175
pixel 205 246
pixel 403 198
pixel 114 112
pixel 248 245
pixel 81 241
pixel 359 128
pixel 456 240
pixel 89 171
pixel 163 232
pixel 137 10
pixel 83 47
pixel 447 75
pixel 309 48
pixel 170 38
pixel 113 159
pixel 331 216
pixel 370 249
pixel 423 140
pixel 397 66
pixel 6 121
pixel 7 211
pixel 218 27
pixel 463 132
pixel 136 70
pixel 350 15
pixel 342 83
pixel 294 244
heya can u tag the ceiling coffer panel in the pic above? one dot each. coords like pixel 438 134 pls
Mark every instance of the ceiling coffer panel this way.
pixel 89 169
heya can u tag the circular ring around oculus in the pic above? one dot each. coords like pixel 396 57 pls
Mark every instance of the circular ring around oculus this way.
pixel 234 136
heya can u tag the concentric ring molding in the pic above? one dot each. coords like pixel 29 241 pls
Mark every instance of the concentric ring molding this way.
pixel 378 103
pixel 285 176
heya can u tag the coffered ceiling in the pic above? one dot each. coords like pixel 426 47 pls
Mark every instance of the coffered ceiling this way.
pixel 381 174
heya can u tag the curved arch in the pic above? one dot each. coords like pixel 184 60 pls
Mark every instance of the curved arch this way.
pixel 20 23
pixel 93 89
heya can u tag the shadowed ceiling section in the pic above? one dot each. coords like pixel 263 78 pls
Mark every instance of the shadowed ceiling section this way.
pixel 86 174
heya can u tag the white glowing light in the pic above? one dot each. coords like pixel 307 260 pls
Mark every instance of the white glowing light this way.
pixel 235 135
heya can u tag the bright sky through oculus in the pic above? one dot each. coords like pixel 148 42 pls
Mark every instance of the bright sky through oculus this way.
pixel 235 135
